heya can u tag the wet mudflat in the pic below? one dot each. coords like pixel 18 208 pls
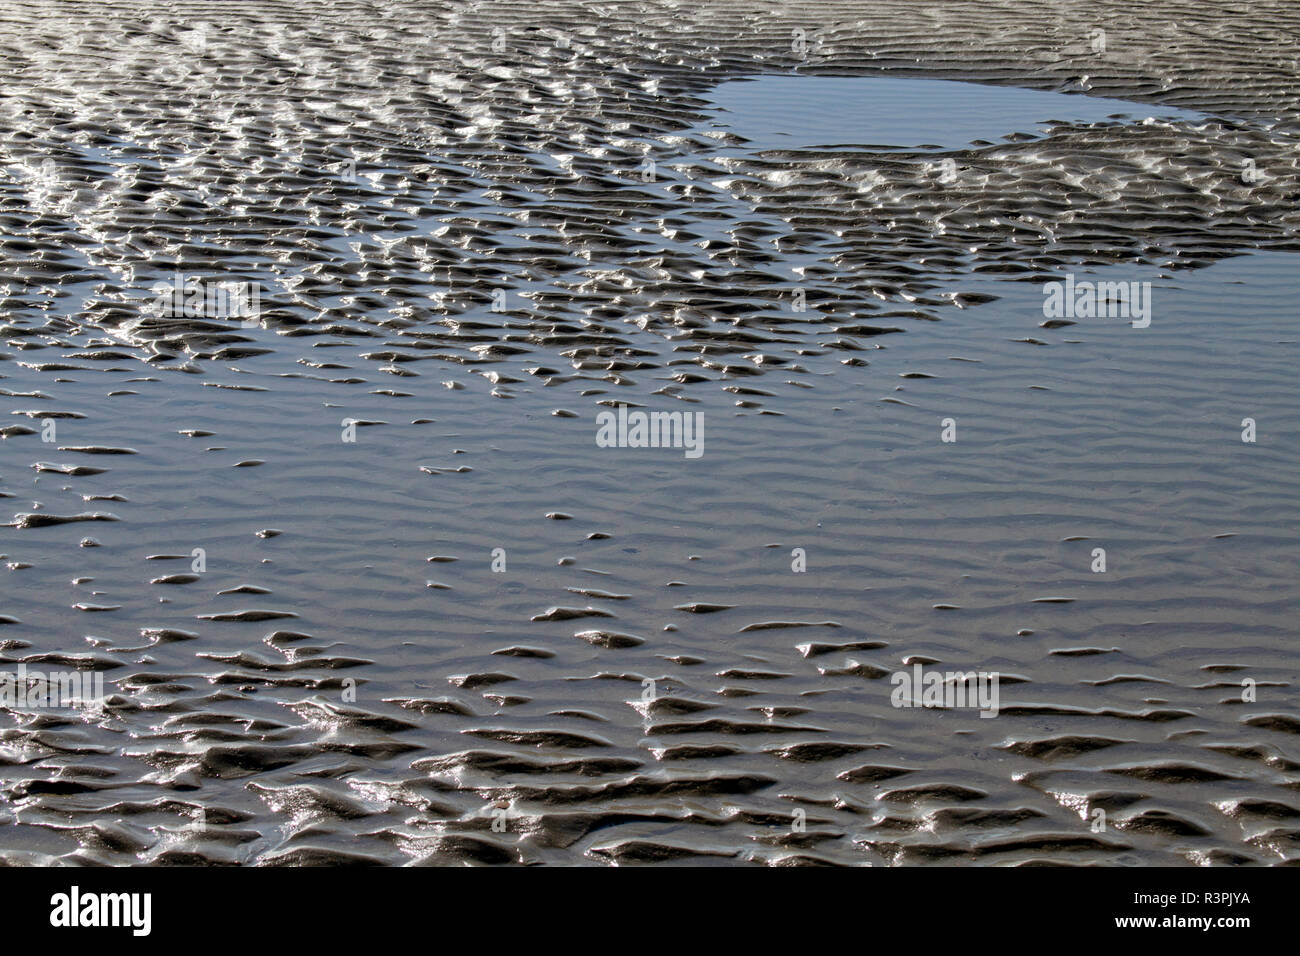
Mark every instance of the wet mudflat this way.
pixel 362 584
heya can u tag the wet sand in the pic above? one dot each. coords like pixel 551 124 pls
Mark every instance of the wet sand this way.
pixel 352 672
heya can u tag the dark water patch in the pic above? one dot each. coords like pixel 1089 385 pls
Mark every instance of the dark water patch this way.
pixel 772 112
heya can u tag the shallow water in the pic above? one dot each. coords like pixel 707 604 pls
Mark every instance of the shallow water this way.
pixel 354 675
pixel 775 112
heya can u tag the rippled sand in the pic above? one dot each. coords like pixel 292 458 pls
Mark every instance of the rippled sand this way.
pixel 348 670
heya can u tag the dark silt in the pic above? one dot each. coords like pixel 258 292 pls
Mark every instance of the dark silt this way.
pixel 363 585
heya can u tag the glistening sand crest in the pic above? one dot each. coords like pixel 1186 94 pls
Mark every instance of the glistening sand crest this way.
pixel 383 173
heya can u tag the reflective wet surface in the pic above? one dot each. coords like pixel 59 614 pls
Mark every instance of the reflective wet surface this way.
pixel 776 111
pixel 363 586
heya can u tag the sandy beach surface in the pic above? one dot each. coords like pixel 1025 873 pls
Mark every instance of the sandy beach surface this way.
pixel 336 527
